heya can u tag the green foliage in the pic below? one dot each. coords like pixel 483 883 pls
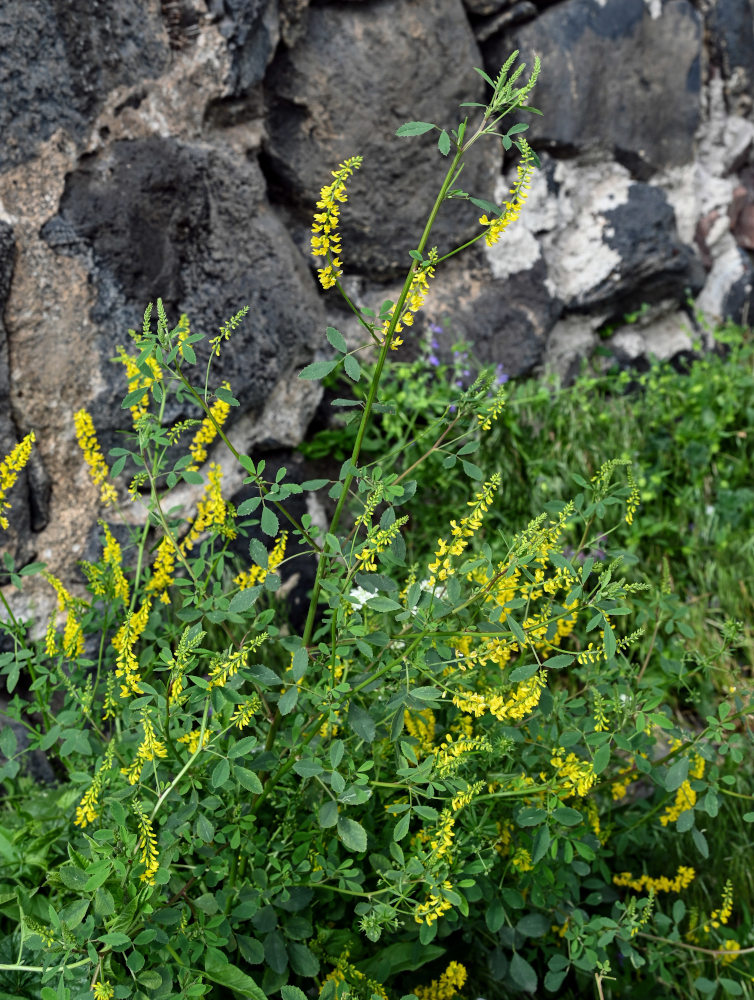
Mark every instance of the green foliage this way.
pixel 459 756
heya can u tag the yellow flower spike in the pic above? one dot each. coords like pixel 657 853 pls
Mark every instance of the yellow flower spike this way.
pixel 87 810
pixel 326 222
pixel 433 907
pixel 113 557
pixel 126 664
pixel 446 987
pixel 163 570
pixel 519 193
pixel 228 664
pixel 73 635
pixel 212 511
pixel 147 845
pixel 207 433
pixel 137 380
pixel 10 467
pixel 87 439
pixel 103 990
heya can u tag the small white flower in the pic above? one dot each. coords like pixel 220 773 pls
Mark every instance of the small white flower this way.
pixel 358 598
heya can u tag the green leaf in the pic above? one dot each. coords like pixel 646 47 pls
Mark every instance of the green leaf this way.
pixel 246 745
pixel 361 722
pixel 401 827
pixel 677 774
pixel 259 553
pixel 414 128
pixel 303 962
pixel 601 759
pixel 328 814
pixel 116 939
pixel 495 916
pixel 244 600
pixel 516 629
pixel 232 977
pixel 540 844
pixel 381 603
pixel 337 339
pixel 270 523
pixel 567 816
pixel 247 779
pixel 685 821
pixel 531 816
pixel 299 663
pixel 352 367
pixel 533 925
pixel 220 773
pixel 443 143
pixel 523 673
pixel 522 974
pixel 315 484
pixel 353 834
pixel 293 992
pixel 288 700
pixel 317 369
pixel 226 396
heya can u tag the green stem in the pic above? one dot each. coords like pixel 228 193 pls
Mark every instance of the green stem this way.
pixel 372 395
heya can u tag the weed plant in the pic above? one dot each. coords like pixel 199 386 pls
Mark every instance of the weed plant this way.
pixel 436 788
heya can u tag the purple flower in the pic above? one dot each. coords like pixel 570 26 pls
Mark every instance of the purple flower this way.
pixel 434 344
pixel 433 360
pixel 502 376
pixel 435 328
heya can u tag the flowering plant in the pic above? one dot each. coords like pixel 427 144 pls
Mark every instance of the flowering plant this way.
pixel 428 766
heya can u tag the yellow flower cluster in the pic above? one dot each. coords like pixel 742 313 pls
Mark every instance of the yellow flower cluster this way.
pixel 73 635
pixel 519 193
pixel 446 987
pixel 519 702
pixel 417 292
pixel 377 541
pixel 345 975
pixel 685 798
pixel 441 568
pixel 126 664
pixel 521 860
pixel 486 419
pixel 574 776
pixel 645 883
pixel 212 511
pixel 112 557
pixel 325 237
pixel 103 990
pixel 192 739
pixel 243 714
pixel 138 380
pixel 462 799
pixel 88 808
pixel 256 575
pixel 149 748
pixel 218 414
pixel 421 725
pixel 450 754
pixel 433 907
pixel 634 497
pixel 10 467
pixel 147 845
pixel 163 569
pixel 721 916
pixel 183 332
pixel 227 665
pixel 87 439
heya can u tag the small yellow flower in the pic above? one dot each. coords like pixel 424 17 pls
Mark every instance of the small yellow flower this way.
pixel 446 987
pixel 87 439
pixel 103 990
pixel 10 467
pixel 229 663
pixel 257 575
pixel 73 635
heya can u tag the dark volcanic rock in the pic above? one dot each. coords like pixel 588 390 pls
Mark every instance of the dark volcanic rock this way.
pixel 654 264
pixel 60 58
pixel 608 80
pixel 359 72
pixel 190 224
pixel 732 36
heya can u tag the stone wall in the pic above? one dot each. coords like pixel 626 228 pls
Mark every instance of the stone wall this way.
pixel 176 149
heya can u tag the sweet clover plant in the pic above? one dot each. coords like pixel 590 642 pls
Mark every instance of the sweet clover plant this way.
pixel 422 791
